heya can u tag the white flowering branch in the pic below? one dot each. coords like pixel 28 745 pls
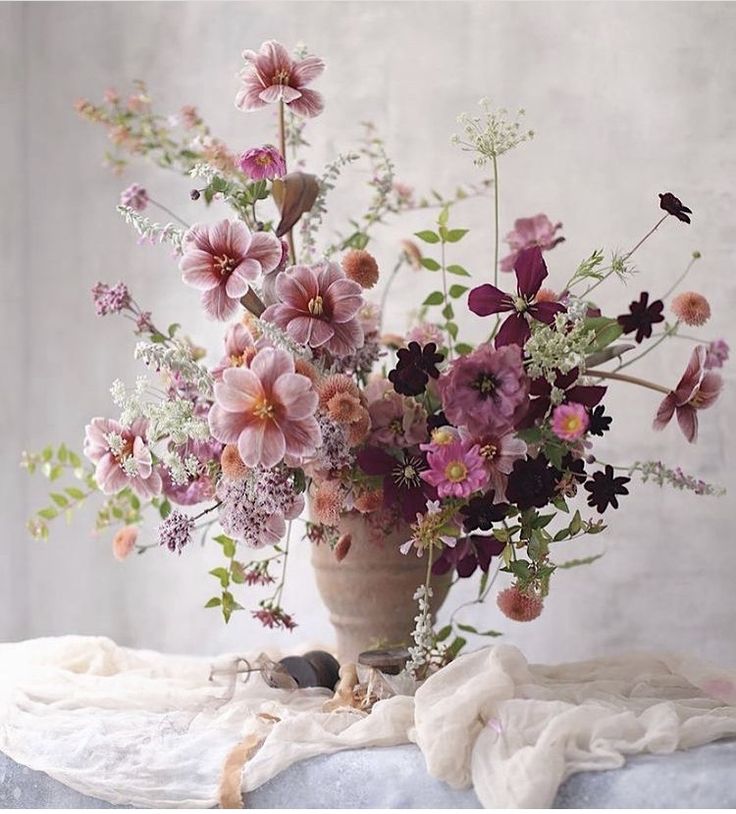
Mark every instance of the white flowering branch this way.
pixel 153 232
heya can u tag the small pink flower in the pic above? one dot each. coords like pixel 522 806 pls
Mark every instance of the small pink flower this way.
pixel 267 410
pixel 318 306
pixel 135 196
pixel 240 348
pixel 262 162
pixel 536 231
pixel 698 389
pixel 396 420
pixel 124 541
pixel 716 354
pixel 456 469
pixel 570 421
pixel 122 457
pixel 271 75
pixel 518 605
pixel 427 332
pixel 222 259
pixel 691 308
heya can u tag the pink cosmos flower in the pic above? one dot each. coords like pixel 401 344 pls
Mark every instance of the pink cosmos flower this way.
pixel 267 410
pixel 698 389
pixel 122 457
pixel 456 469
pixel 570 421
pixel 717 353
pixel 536 231
pixel 272 75
pixel 499 453
pixel 318 306
pixel 262 162
pixel 486 391
pixel 396 421
pixel 135 197
pixel 220 260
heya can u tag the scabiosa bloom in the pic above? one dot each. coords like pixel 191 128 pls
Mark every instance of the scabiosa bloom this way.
pixel 698 389
pixel 110 299
pixel 691 308
pixel 456 469
pixel 122 457
pixel 176 531
pixel 232 464
pixel 642 315
pixel 569 421
pixel 716 354
pixel 532 483
pixel 328 502
pixel 471 552
pixel 403 486
pixel 604 487
pixel 222 259
pixel 267 410
pixel 261 163
pixel 318 306
pixel 271 75
pixel 520 605
pixel 395 420
pixel 135 196
pixel 360 266
pixel 123 543
pixel 674 206
pixel 414 367
pixel 487 391
pixel 527 232
pixel 486 299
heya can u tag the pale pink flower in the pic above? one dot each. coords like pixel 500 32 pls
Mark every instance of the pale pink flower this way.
pixel 698 389
pixel 318 306
pixel 271 75
pixel 122 457
pixel 123 543
pixel 267 410
pixel 456 469
pixel 499 453
pixel 240 348
pixel 396 420
pixel 570 421
pixel 536 231
pixel 716 354
pixel 427 332
pixel 135 196
pixel 262 162
pixel 222 259
pixel 519 605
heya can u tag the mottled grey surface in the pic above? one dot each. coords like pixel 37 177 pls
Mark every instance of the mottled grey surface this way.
pixel 396 778
pixel 628 99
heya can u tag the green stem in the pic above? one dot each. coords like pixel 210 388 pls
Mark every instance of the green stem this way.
pixel 389 283
pixel 620 377
pixel 282 145
pixel 447 302
pixel 496 220
pixel 679 279
pixel 279 591
pixel 671 332
pixel 168 212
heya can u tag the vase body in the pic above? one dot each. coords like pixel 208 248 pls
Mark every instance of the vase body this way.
pixel 370 593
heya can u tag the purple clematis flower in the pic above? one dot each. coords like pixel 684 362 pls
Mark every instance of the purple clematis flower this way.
pixel 486 299
pixel 402 485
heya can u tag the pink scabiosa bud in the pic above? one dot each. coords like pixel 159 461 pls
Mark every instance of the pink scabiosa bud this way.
pixel 232 464
pixel 261 163
pixel 124 541
pixel 135 196
pixel 521 606
pixel 691 308
pixel 342 547
pixel 361 267
pixel 328 502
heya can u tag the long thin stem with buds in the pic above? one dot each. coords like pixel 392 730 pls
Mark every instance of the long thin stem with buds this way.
pixel 496 221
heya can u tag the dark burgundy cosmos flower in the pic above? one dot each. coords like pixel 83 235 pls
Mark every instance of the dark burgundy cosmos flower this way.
pixel 598 421
pixel 414 367
pixel 604 487
pixel 532 483
pixel 540 390
pixel 674 206
pixel 642 315
pixel 481 512
pixel 402 486
pixel 486 299
pixel 471 552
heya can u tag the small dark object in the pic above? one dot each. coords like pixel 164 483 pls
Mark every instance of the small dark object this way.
pixel 313 669
pixel 195 194
pixel 674 206
pixel 390 662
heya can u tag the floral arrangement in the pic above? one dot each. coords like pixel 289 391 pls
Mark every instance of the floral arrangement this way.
pixel 479 451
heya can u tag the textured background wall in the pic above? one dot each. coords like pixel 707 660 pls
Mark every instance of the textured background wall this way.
pixel 628 100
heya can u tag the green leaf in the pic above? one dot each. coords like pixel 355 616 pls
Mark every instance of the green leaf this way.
pixel 48 514
pixel 561 535
pixel 47 454
pixel 435 298
pixel 429 264
pixel 560 503
pixel 443 633
pixel 164 509
pixel 428 236
pixel 444 215
pixel 452 329
pixel 74 459
pixel 213 603
pixel 74 493
pixel 457 645
pixel 457 290
pixel 222 574
pixel 471 629
pixel 448 311
pixel 454 235
pixel 459 270
pixel 463 348
pixel 606 331
pixel 227 543
pixel 173 328
pixel 582 561
pixel 60 500
pixel 576 523
pixel 62 454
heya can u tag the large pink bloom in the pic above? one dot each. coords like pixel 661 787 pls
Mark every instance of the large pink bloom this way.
pixel 220 260
pixel 697 390
pixel 271 75
pixel 455 469
pixel 318 306
pixel 267 410
pixel 536 231
pixel 122 457
pixel 486 391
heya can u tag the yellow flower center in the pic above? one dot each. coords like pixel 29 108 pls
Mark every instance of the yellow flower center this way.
pixel 456 471
pixel 264 159
pixel 442 436
pixel 573 424
pixel 281 77
pixel 488 451
pixel 263 409
pixel 316 306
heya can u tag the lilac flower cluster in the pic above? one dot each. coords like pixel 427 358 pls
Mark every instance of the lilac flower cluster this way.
pixel 661 475
pixel 110 299
pixel 176 531
pixel 335 453
pixel 361 361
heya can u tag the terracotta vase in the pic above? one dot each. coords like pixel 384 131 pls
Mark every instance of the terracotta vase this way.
pixel 370 593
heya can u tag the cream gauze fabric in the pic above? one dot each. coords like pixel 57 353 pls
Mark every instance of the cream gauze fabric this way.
pixel 150 730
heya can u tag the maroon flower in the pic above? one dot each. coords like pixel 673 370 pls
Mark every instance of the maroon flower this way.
pixel 471 552
pixel 697 390
pixel 402 485
pixel 414 367
pixel 604 488
pixel 532 483
pixel 486 299
pixel 541 391
pixel 481 512
pixel 674 206
pixel 642 315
